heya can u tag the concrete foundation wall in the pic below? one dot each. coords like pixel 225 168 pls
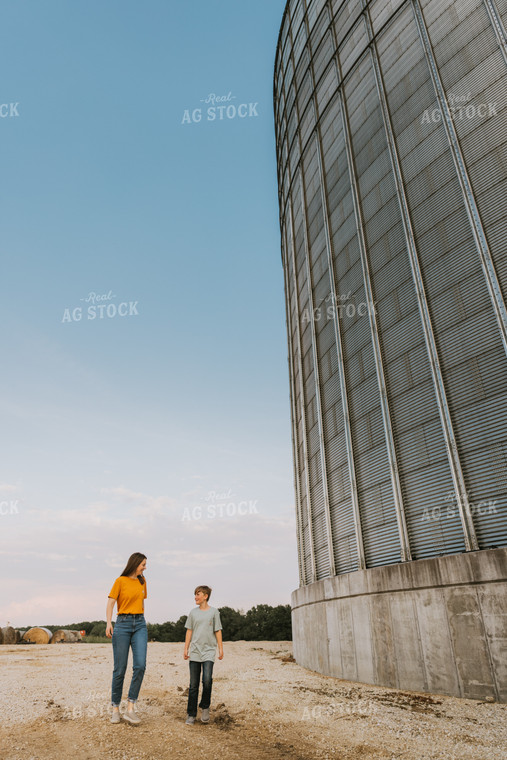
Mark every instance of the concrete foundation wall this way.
pixel 437 625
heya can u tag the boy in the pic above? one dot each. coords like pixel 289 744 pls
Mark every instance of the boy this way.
pixel 204 632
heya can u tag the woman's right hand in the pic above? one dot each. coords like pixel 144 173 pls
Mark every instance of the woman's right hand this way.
pixel 109 630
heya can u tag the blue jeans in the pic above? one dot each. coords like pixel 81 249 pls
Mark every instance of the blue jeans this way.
pixel 193 689
pixel 129 631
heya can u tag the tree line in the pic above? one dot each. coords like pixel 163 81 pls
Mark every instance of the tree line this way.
pixel 260 623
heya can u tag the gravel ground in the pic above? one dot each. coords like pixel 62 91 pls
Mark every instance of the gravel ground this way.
pixel 54 703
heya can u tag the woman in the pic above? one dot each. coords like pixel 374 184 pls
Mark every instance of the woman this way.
pixel 129 592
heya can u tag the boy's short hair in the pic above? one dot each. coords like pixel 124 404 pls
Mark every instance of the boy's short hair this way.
pixel 204 589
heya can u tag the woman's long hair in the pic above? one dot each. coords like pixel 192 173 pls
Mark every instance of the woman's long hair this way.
pixel 132 565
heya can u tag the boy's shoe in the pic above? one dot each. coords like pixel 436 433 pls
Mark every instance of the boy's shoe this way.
pixel 131 717
pixel 115 717
pixel 190 720
pixel 205 715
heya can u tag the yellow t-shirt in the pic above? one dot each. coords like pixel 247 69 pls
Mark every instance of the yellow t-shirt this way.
pixel 129 594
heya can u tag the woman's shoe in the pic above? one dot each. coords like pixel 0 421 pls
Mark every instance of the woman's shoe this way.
pixel 115 717
pixel 205 715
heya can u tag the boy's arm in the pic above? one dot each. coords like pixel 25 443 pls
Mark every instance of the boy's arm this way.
pixel 218 634
pixel 188 638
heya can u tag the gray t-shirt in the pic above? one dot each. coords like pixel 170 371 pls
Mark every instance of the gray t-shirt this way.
pixel 203 624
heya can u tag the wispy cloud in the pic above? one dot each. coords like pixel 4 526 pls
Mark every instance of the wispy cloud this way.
pixel 55 608
pixel 8 488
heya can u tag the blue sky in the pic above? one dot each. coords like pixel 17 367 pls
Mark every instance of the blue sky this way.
pixel 120 432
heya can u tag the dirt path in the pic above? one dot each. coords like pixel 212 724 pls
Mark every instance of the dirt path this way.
pixel 55 704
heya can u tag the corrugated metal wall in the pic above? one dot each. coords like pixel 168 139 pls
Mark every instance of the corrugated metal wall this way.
pixel 391 130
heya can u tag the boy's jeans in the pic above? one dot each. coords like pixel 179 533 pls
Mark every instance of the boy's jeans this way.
pixel 193 689
pixel 129 631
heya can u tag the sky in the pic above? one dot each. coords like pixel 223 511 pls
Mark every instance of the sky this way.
pixel 144 391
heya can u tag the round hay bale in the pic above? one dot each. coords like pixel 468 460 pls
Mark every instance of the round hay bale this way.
pixel 38 635
pixel 63 636
pixel 9 635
